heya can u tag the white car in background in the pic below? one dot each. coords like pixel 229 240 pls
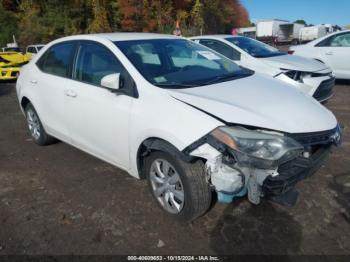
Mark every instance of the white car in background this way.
pixel 332 50
pixel 187 119
pixel 309 76
pixel 34 49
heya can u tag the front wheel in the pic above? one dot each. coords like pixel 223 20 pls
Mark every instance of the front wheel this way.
pixel 180 189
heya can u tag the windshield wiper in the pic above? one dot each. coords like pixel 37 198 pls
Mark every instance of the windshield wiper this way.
pixel 222 78
pixel 175 85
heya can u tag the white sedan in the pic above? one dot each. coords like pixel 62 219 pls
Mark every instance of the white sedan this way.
pixel 332 50
pixel 309 76
pixel 188 120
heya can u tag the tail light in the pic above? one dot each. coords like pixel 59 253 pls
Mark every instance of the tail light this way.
pixel 290 52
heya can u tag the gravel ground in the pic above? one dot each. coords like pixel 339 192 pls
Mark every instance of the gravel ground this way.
pixel 59 200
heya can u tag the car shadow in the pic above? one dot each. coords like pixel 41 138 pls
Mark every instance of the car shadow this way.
pixel 340 184
pixel 263 229
pixel 343 82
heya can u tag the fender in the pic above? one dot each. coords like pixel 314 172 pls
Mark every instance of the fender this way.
pixel 157 144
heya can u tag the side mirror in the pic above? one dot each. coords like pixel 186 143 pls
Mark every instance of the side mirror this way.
pixel 111 82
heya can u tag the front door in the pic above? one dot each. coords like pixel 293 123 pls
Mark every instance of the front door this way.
pixel 98 119
pixel 336 54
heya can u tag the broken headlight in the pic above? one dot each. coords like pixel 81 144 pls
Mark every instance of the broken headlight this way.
pixel 295 75
pixel 256 148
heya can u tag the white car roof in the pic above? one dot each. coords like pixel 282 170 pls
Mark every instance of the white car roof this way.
pixel 35 45
pixel 213 36
pixel 120 36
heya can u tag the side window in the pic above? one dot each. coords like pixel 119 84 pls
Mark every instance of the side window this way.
pixel 339 40
pixel 342 40
pixel 58 59
pixel 93 62
pixel 222 48
pixel 31 50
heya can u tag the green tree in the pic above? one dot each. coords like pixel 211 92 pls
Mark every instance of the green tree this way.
pixel 99 23
pixel 300 21
pixel 79 16
pixel 30 26
pixel 197 17
pixel 43 20
pixel 9 26
pixel 114 15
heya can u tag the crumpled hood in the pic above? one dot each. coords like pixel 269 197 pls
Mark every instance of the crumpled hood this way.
pixel 294 62
pixel 261 102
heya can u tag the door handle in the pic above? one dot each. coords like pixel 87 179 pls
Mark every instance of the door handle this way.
pixel 70 93
pixel 329 53
pixel 34 81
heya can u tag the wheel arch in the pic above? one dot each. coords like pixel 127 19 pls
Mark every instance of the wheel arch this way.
pixel 24 102
pixel 152 144
pixel 319 60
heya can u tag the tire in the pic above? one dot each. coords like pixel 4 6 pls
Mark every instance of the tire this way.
pixel 196 193
pixel 36 129
pixel 295 42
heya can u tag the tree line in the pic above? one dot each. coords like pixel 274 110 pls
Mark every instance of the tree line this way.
pixel 40 21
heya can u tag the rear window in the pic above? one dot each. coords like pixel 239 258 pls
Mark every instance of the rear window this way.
pixel 58 59
pixel 31 50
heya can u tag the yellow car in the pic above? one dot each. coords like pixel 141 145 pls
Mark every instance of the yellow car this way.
pixel 9 73
pixel 10 63
pixel 14 57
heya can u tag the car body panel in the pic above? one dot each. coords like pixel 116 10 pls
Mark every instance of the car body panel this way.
pixel 272 65
pixel 337 58
pixel 299 63
pixel 15 58
pixel 236 102
pixel 9 72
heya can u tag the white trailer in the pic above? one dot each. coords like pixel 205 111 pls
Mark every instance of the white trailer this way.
pixel 247 31
pixel 311 33
pixel 269 28
pixel 278 31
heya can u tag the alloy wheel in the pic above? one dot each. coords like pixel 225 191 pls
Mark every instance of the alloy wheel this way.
pixel 167 186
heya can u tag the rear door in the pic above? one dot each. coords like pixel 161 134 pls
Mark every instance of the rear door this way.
pixel 335 52
pixel 98 118
pixel 49 81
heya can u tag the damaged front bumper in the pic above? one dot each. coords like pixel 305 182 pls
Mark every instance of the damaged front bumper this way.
pixel 230 179
pixel 317 84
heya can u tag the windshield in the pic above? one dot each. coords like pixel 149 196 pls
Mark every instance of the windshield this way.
pixel 12 49
pixel 255 48
pixel 39 47
pixel 179 63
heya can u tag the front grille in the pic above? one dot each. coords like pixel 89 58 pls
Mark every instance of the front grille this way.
pixel 321 74
pixel 315 138
pixel 325 90
pixel 14 73
pixel 293 171
pixel 317 145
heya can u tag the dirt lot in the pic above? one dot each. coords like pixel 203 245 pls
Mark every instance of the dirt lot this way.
pixel 59 200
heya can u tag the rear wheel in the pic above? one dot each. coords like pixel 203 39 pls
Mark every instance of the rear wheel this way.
pixel 179 188
pixel 295 42
pixel 35 127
